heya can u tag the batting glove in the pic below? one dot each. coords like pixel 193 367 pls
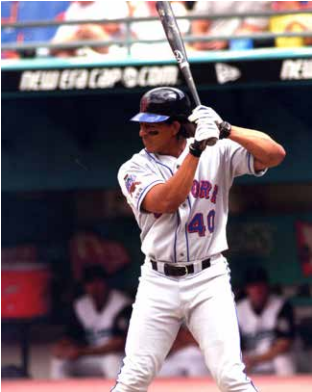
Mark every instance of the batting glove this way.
pixel 204 112
pixel 207 131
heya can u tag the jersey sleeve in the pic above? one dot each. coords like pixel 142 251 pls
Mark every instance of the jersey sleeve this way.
pixel 285 324
pixel 238 160
pixel 135 180
pixel 74 329
pixel 121 322
pixel 243 340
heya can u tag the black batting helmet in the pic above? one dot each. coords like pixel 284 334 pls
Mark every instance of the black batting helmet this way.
pixel 163 103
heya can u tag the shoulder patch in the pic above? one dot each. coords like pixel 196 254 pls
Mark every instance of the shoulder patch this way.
pixel 131 183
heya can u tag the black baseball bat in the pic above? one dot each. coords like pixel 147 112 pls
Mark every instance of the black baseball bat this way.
pixel 175 40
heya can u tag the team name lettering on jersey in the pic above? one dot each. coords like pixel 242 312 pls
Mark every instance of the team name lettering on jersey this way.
pixel 204 190
pixel 200 221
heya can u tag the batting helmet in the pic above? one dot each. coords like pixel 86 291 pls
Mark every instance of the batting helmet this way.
pixel 162 103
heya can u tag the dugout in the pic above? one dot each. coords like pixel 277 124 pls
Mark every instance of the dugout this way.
pixel 65 132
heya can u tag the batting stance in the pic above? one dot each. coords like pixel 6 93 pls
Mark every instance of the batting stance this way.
pixel 178 189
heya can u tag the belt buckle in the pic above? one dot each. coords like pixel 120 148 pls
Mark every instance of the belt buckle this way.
pixel 180 270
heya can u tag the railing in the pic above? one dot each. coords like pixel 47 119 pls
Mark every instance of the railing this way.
pixel 128 41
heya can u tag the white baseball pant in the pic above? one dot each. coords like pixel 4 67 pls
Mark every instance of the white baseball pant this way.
pixel 206 304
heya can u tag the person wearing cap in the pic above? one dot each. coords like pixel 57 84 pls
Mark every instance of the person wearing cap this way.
pixel 267 327
pixel 239 24
pixel 178 188
pixel 94 339
pixel 94 11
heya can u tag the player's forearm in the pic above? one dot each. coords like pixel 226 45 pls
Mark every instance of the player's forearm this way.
pixel 179 186
pixel 114 345
pixel 166 198
pixel 260 145
pixel 281 346
pixel 64 40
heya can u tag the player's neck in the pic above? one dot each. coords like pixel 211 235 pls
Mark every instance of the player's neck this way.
pixel 259 308
pixel 100 302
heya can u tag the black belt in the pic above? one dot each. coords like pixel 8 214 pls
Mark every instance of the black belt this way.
pixel 171 269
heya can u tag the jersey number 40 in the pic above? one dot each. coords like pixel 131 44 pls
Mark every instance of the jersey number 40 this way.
pixel 197 224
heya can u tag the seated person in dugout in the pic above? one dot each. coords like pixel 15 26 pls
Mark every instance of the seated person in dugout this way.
pixel 185 358
pixel 267 327
pixel 94 339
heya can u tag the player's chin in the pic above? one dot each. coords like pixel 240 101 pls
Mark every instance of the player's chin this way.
pixel 148 147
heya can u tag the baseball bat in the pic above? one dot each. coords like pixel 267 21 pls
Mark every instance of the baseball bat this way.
pixel 175 40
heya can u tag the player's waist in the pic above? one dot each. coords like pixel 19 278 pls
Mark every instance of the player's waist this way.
pixel 182 269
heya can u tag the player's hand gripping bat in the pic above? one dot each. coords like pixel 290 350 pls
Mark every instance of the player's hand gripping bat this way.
pixel 175 40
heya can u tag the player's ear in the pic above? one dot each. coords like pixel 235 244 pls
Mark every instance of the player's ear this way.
pixel 176 127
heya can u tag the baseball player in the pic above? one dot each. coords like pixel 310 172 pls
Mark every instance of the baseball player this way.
pixel 178 189
pixel 93 343
pixel 267 327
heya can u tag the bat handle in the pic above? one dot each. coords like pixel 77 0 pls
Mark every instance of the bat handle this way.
pixel 196 98
pixel 213 140
pixel 186 70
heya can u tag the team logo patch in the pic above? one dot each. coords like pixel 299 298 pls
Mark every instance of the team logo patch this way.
pixel 131 183
pixel 144 104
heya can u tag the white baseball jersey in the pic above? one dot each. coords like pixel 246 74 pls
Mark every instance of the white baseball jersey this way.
pixel 95 328
pixel 259 331
pixel 100 326
pixel 198 229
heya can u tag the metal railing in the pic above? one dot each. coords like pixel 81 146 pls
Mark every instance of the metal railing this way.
pixel 128 41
